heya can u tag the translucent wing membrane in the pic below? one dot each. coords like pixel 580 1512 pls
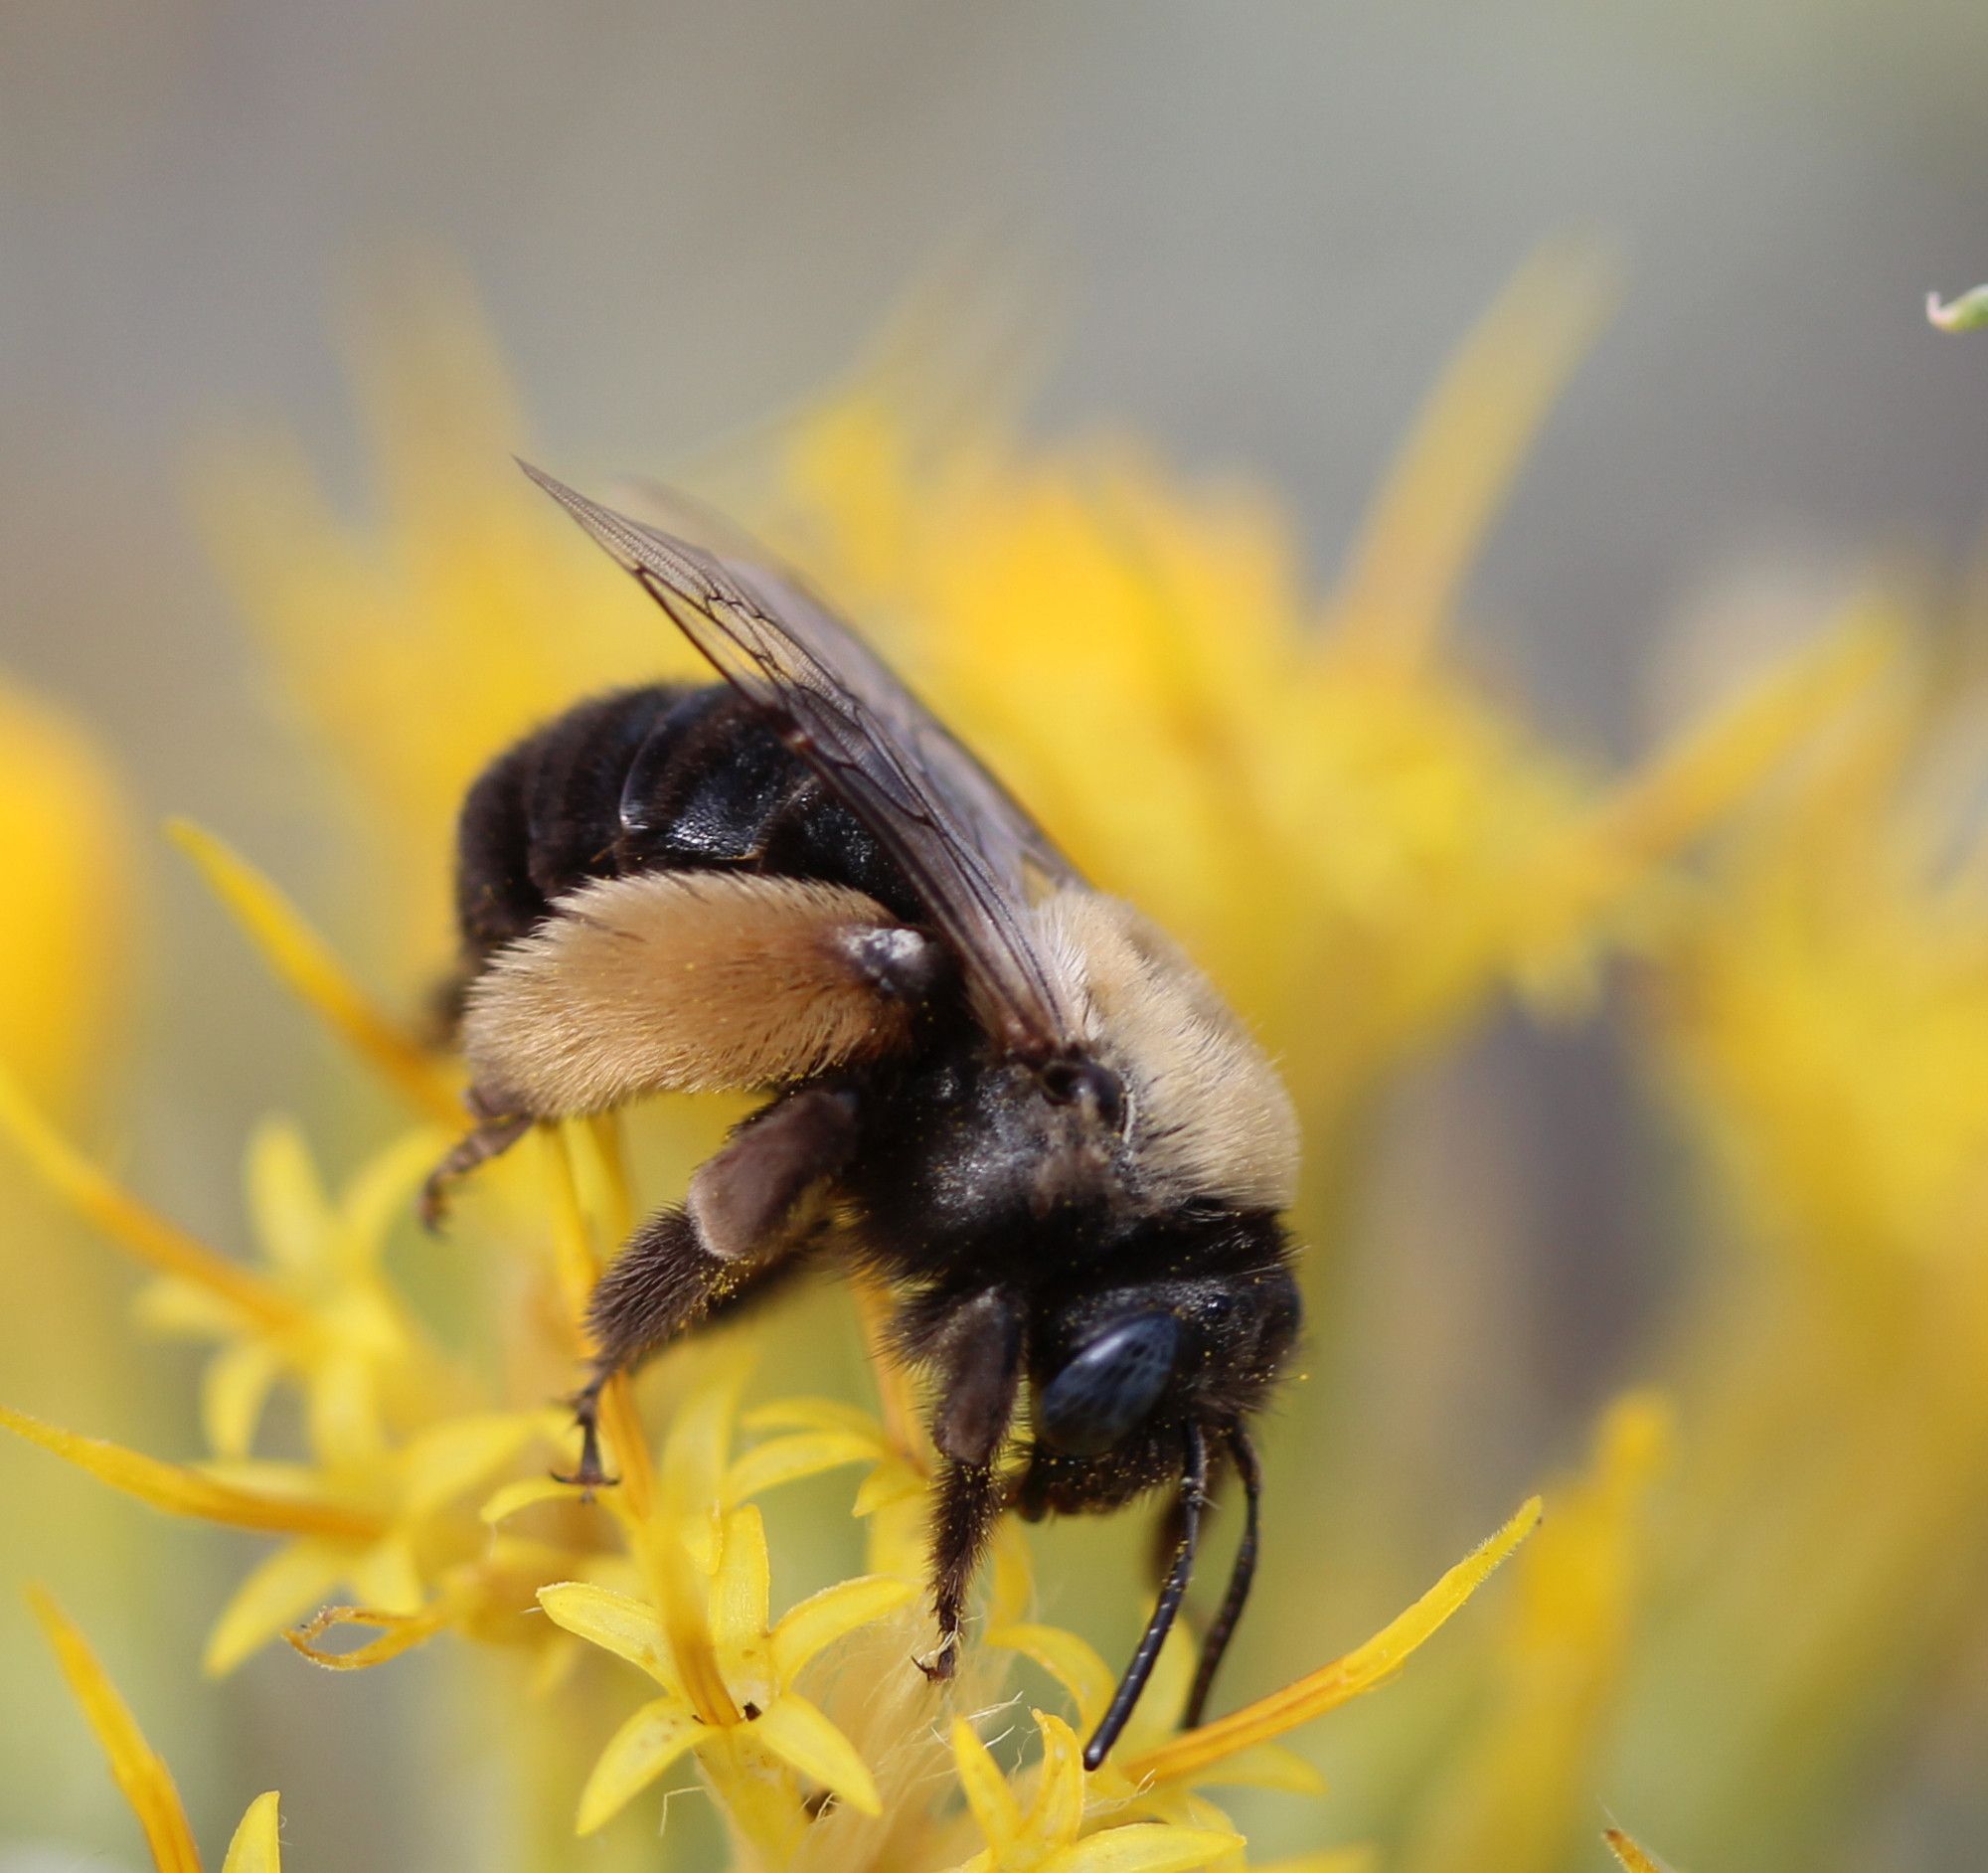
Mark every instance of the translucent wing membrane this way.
pixel 968 849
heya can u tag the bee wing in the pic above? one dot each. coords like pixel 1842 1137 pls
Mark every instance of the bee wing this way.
pixel 969 850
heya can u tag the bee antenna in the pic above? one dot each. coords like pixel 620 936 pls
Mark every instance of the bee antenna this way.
pixel 1216 1642
pixel 1194 1493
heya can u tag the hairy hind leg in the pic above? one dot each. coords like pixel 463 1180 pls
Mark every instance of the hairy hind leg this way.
pixel 750 1208
pixel 664 1283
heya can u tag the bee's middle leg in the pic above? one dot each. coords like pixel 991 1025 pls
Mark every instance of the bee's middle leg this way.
pixel 747 1217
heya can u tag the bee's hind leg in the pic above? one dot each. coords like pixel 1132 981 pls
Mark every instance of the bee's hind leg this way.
pixel 589 1473
pixel 747 1221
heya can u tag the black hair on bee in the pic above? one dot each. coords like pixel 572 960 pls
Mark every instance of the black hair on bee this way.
pixel 1010 1095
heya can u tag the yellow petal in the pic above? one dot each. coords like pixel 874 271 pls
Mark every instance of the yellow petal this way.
pixel 302 960
pixel 233 1391
pixel 1359 1672
pixel 1265 1765
pixel 256 1846
pixel 146 1781
pixel 1058 1811
pixel 1166 1690
pixel 378 1196
pixel 385 1576
pixel 1637 1859
pixel 825 1415
pixel 141 1233
pixel 647 1745
pixel 1070 1660
pixel 398 1632
pixel 809 1628
pixel 342 1408
pixel 887 1486
pixel 787 1459
pixel 1145 1848
pixel 796 1732
pixel 739 1589
pixel 986 1790
pixel 693 1465
pixel 450 1458
pixel 1465 450
pixel 526 1492
pixel 616 1623
pixel 285 1585
pixel 182 1492
pixel 284 1195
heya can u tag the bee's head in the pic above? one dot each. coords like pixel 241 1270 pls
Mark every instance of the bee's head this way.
pixel 1189 1329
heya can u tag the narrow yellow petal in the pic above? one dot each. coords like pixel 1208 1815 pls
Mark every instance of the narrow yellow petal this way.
pixel 182 1492
pixel 140 1232
pixel 1265 1765
pixel 526 1492
pixel 1145 1848
pixel 876 1311
pixel 387 1574
pixel 1359 1672
pixel 450 1459
pixel 787 1459
pixel 816 1413
pixel 989 1796
pixel 145 1780
pixel 809 1628
pixel 398 1632
pixel 276 1593
pixel 798 1732
pixel 302 960
pixel 740 1589
pixel 284 1195
pixel 647 1745
pixel 1058 1811
pixel 1658 811
pixel 616 1623
pixel 696 1450
pixel 1070 1660
pixel 1465 452
pixel 256 1846
pixel 886 1487
pixel 1637 1859
pixel 233 1391
pixel 683 1593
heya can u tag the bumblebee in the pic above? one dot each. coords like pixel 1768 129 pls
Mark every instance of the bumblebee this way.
pixel 1005 1093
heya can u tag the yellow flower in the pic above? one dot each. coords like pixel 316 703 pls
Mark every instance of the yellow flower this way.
pixel 820 1434
pixel 386 1522
pixel 1045 1838
pixel 742 1708
pixel 64 946
pixel 146 1781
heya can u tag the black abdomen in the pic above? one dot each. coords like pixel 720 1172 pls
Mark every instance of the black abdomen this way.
pixel 669 777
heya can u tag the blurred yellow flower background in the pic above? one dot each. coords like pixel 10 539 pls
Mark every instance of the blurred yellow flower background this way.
pixel 1746 1596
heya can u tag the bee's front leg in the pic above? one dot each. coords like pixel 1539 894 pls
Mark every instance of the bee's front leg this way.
pixel 980 1355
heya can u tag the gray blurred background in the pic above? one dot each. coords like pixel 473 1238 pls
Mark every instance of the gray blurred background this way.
pixel 1258 229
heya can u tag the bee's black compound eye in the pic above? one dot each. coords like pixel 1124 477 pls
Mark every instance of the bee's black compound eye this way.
pixel 1086 1082
pixel 1109 1386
